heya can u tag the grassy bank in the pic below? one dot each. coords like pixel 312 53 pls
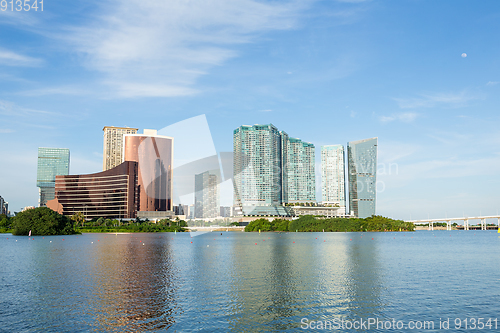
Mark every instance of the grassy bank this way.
pixel 311 224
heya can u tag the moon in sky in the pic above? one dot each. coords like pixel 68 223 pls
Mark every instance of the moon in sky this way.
pixel 464 55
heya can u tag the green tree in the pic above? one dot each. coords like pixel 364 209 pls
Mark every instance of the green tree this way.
pixel 42 221
pixel 78 218
pixel 100 221
pixel 5 223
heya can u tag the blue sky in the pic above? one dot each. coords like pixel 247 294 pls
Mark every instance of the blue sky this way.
pixel 327 72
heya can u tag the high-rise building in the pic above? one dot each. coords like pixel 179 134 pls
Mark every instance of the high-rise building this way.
pixel 299 177
pixel 333 176
pixel 113 145
pixel 52 162
pixel 206 195
pixel 257 165
pixel 270 168
pixel 4 207
pixel 154 155
pixel 191 212
pixel 226 211
pixel 362 172
pixel 111 194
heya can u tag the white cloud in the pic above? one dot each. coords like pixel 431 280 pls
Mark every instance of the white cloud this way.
pixel 405 117
pixel 268 110
pixel 6 130
pixel 9 58
pixel 432 100
pixel 151 48
pixel 11 109
pixel 492 83
pixel 390 152
pixel 450 138
pixel 54 91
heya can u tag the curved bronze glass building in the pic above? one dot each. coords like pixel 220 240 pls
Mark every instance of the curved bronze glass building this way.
pixel 109 194
pixel 154 155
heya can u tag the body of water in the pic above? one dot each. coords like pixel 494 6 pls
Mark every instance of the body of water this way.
pixel 250 282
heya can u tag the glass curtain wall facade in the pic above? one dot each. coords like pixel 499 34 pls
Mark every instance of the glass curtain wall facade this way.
pixel 206 196
pixel 154 155
pixel 110 194
pixel 257 166
pixel 333 175
pixel 51 163
pixel 362 166
pixel 4 206
pixel 113 145
pixel 270 168
pixel 299 174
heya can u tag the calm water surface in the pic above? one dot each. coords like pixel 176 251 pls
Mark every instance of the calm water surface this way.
pixel 241 282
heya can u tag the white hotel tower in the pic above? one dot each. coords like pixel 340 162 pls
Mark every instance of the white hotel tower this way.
pixel 333 176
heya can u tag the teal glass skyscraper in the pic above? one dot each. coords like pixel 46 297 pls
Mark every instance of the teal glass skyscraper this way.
pixel 299 177
pixel 362 172
pixel 270 168
pixel 52 162
pixel 257 165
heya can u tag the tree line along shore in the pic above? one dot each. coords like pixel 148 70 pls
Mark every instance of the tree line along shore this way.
pixel 43 221
pixel 310 223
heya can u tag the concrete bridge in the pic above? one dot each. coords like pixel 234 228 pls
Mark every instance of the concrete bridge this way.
pixel 466 224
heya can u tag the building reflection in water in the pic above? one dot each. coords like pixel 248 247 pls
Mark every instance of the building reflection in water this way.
pixel 136 292
pixel 364 284
pixel 281 282
pixel 267 296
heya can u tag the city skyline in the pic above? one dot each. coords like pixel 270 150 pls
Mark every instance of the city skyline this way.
pixel 293 161
pixel 328 71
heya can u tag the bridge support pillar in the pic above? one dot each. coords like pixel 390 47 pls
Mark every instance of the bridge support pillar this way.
pixel 466 224
pixel 448 225
pixel 483 224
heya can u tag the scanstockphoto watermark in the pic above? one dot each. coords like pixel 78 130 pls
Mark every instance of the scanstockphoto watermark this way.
pixel 393 324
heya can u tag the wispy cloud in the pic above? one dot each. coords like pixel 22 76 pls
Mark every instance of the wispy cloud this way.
pixel 405 117
pixel 9 58
pixel 151 48
pixel 492 83
pixel 130 89
pixel 11 109
pixel 431 100
pixel 54 91
pixel 450 138
pixel 268 110
pixel 6 130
